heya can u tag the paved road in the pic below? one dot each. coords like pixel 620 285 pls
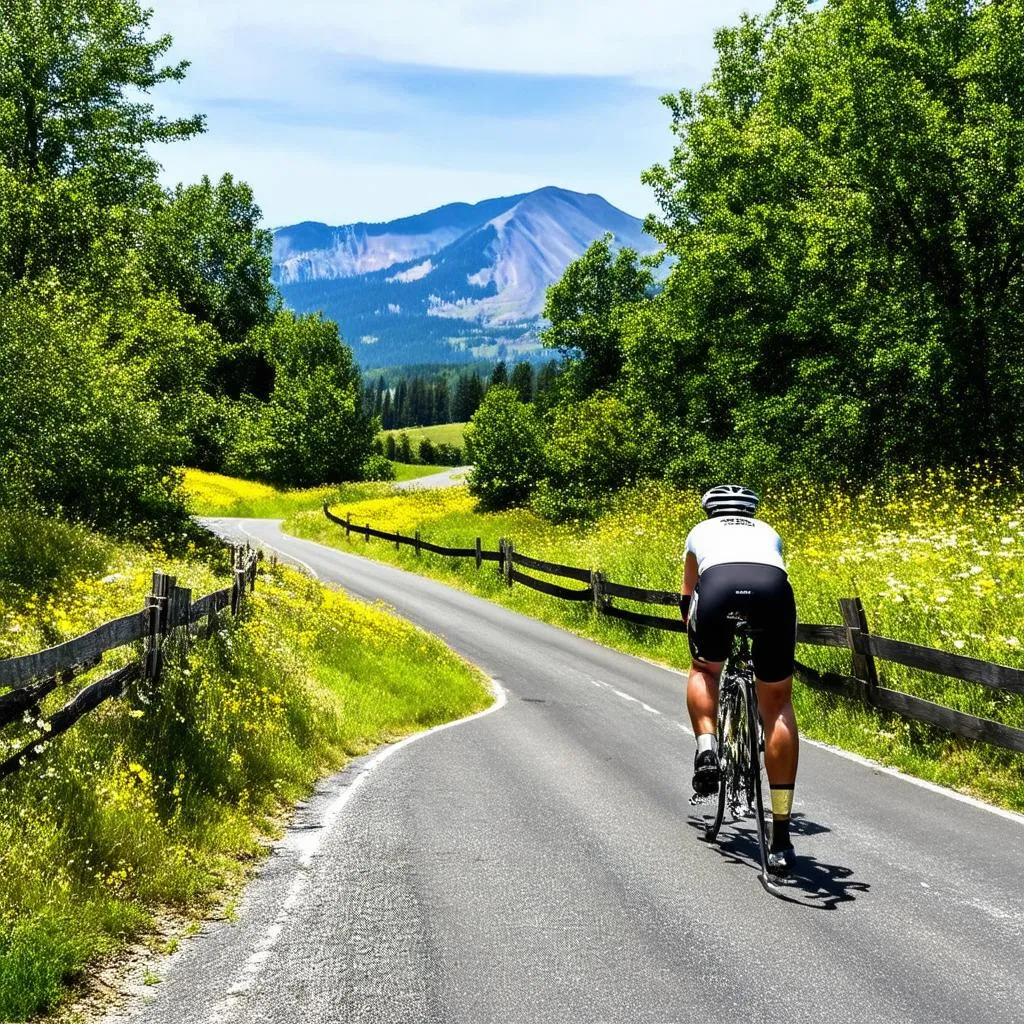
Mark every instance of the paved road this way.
pixel 455 477
pixel 537 864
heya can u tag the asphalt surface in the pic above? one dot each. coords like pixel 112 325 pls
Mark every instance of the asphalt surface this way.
pixel 539 863
pixel 455 477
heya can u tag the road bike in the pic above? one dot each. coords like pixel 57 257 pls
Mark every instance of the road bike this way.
pixel 743 782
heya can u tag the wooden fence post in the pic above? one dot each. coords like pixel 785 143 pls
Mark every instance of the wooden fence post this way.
pixel 398 540
pixel 156 606
pixel 856 632
pixel 417 543
pixel 240 580
pixel 479 554
pixel 348 524
pixel 597 581
pixel 366 536
pixel 507 564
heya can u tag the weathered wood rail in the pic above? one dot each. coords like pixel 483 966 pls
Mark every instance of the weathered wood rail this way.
pixel 853 635
pixel 169 610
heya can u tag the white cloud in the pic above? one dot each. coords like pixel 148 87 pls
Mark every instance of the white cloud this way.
pixel 292 110
pixel 664 41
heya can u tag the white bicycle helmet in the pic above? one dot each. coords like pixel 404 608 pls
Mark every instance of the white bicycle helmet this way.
pixel 730 499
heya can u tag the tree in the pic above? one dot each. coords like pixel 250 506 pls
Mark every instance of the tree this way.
pixel 592 447
pixel 467 397
pixel 206 247
pixel 504 443
pixel 313 429
pixel 499 375
pixel 844 206
pixel 522 381
pixel 582 306
pixel 72 74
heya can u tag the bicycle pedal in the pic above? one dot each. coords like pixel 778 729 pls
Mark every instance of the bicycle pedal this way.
pixel 700 801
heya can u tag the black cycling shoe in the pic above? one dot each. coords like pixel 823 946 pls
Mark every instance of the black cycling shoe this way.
pixel 780 862
pixel 706 773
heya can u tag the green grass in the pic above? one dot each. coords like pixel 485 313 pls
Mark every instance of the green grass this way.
pixel 945 570
pixel 161 798
pixel 442 433
pixel 406 471
pixel 212 494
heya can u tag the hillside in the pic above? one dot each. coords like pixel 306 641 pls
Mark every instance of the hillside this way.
pixel 456 283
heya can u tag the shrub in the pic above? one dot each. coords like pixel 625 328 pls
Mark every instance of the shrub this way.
pixel 593 448
pixel 428 453
pixel 447 454
pixel 404 448
pixel 377 467
pixel 503 441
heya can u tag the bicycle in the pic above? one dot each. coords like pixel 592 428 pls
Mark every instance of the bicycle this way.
pixel 743 777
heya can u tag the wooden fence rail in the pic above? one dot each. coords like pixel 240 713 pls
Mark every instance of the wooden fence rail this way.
pixel 853 635
pixel 168 609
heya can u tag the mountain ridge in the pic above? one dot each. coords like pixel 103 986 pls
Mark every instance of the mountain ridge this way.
pixel 456 282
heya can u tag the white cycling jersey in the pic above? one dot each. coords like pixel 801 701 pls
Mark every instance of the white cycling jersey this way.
pixel 734 539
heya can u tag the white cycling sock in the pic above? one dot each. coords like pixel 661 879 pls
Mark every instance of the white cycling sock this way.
pixel 707 741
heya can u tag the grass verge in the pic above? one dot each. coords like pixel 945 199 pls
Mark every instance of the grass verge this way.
pixel 441 433
pixel 940 563
pixel 159 799
pixel 212 494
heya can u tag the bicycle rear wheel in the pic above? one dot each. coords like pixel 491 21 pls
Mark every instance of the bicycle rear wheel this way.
pixel 757 784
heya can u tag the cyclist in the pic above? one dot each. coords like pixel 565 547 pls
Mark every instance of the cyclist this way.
pixel 734 566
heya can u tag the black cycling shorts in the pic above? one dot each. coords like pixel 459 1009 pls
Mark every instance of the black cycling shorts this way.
pixel 760 594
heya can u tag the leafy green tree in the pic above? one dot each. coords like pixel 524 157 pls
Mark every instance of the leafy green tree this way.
pixel 522 381
pixel 313 429
pixel 427 453
pixel 391 447
pixel 504 443
pixel 206 247
pixel 592 448
pixel 85 434
pixel 404 448
pixel 72 77
pixel 843 206
pixel 582 307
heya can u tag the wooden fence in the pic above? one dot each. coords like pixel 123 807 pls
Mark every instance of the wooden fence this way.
pixel 853 635
pixel 168 611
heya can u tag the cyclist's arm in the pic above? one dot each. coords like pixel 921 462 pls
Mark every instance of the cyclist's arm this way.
pixel 690 574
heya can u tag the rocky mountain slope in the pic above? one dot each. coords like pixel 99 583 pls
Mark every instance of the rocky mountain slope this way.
pixel 456 282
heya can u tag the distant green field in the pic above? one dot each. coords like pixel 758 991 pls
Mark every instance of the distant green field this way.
pixel 404 471
pixel 443 433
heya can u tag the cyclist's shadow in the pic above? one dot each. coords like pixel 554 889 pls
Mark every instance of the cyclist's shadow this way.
pixel 813 884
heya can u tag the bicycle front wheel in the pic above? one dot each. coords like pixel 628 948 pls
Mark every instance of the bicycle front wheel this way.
pixel 729 731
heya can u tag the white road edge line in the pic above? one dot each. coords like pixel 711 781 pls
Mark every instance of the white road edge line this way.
pixel 221 1012
pixel 284 554
pixel 914 781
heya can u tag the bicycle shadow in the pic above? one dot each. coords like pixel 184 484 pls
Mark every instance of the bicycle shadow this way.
pixel 813 884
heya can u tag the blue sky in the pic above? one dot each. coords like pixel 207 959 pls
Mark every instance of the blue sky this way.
pixel 377 109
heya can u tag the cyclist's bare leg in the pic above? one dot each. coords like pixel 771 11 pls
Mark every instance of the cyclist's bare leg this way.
pixel 702 695
pixel 781 751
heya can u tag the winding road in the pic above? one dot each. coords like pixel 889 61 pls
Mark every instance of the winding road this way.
pixel 538 863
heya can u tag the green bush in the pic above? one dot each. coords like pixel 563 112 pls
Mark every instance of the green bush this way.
pixel 503 441
pixel 593 447
pixel 447 454
pixel 427 453
pixel 377 467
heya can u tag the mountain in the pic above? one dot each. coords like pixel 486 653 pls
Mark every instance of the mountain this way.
pixel 459 282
